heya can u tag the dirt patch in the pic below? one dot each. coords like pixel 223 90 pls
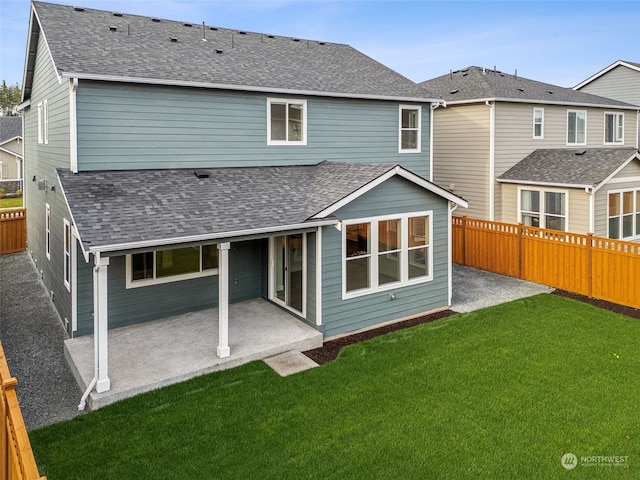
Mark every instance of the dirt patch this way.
pixel 331 348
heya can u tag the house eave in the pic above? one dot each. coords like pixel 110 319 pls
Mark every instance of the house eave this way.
pixel 545 184
pixel 245 88
pixel 116 247
pixel 540 102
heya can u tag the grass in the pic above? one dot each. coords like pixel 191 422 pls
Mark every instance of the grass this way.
pixel 11 202
pixel 499 393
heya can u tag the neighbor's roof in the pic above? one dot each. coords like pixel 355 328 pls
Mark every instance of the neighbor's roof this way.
pixel 115 210
pixel 10 128
pixel 586 167
pixel 475 84
pixel 619 63
pixel 95 44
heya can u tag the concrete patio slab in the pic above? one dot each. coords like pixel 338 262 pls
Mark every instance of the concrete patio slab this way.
pixel 155 354
pixel 291 362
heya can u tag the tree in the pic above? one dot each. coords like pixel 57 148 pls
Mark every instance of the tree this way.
pixel 9 97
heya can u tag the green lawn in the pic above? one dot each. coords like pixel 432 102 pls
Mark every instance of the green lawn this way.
pixel 500 393
pixel 11 202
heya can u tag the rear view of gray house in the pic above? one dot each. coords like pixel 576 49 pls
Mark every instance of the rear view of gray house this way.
pixel 175 168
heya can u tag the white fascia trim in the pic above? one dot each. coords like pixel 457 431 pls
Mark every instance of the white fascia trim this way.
pixel 608 179
pixel 544 184
pixel 85 253
pixel 542 102
pixel 206 237
pixel 17 137
pixel 606 70
pixel 244 88
pixel 21 107
pixel 397 170
pixel 7 151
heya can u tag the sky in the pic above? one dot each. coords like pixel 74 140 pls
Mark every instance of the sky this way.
pixel 561 43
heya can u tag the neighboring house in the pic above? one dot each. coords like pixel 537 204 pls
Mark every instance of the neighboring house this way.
pixel 525 151
pixel 166 157
pixel 11 154
pixel 620 81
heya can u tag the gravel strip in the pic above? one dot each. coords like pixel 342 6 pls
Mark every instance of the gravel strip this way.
pixel 32 337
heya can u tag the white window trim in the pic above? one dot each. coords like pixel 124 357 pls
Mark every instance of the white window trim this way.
pixel 637 207
pixel 541 136
pixel 66 253
pixel 419 129
pixel 272 276
pixel 374 254
pixel 40 124
pixel 542 212
pixel 47 233
pixel 287 101
pixel 585 128
pixel 45 116
pixel 615 128
pixel 159 281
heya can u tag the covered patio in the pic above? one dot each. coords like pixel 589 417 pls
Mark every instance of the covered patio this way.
pixel 151 355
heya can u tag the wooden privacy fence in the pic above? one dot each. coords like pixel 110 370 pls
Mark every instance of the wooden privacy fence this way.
pixel 13 231
pixel 16 457
pixel 597 267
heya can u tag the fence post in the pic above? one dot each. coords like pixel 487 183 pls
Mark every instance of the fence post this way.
pixel 520 252
pixel 464 240
pixel 590 264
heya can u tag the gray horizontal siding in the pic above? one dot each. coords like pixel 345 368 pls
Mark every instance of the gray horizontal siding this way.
pixel 134 126
pixel 393 196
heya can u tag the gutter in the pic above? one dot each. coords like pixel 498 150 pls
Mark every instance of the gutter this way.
pixel 541 102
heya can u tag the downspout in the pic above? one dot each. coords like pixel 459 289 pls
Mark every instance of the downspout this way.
pixel 73 126
pixel 450 253
pixel 592 214
pixel 492 159
pixel 434 105
pixel 94 380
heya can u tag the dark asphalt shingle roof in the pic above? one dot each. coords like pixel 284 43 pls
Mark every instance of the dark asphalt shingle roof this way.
pixel 10 127
pixel 115 207
pixel 476 83
pixel 93 43
pixel 564 167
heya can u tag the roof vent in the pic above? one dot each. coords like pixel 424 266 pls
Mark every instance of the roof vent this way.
pixel 201 173
pixel 295 39
pixel 550 92
pixel 219 51
pixel 79 9
pixel 173 39
pixel 117 14
pixel 321 43
pixel 453 91
pixel 213 28
pixel 271 36
pixel 580 152
pixel 188 24
pixel 241 32
pixel 521 89
pixel 157 20
pixel 113 28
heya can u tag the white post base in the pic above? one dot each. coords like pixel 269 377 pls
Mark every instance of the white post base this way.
pixel 223 352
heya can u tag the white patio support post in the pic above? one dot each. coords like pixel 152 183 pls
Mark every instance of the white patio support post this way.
pixel 101 322
pixel 223 300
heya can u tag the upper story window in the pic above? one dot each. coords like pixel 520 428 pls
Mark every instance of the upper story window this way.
pixel 47 231
pixel 576 127
pixel 163 266
pixel 614 128
pixel 409 137
pixel 43 122
pixel 543 209
pixel 286 122
pixel 386 252
pixel 624 214
pixel 67 254
pixel 538 123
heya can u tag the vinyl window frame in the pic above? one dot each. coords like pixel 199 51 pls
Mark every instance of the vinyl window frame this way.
pixel 130 283
pixel 575 142
pixel 287 101
pixel 542 212
pixel 374 254
pixel 617 139
pixel 541 123
pixel 66 241
pixel 47 231
pixel 635 213
pixel 417 129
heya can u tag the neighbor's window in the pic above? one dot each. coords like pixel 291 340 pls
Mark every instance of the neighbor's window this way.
pixel 386 252
pixel 614 128
pixel 47 238
pixel 67 254
pixel 576 127
pixel 624 214
pixel 409 138
pixel 286 122
pixel 538 123
pixel 162 266
pixel 543 209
